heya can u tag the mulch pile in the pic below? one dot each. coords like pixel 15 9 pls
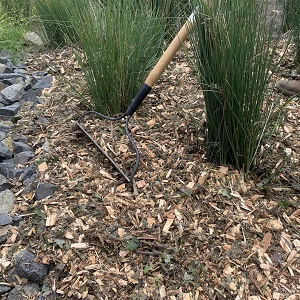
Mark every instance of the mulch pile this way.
pixel 186 229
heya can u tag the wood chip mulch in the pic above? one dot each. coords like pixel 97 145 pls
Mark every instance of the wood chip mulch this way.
pixel 186 229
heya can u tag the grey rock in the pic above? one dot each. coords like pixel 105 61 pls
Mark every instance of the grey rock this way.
pixel 2 135
pixel 33 38
pixel 44 82
pixel 3 86
pixel 3 239
pixel 9 143
pixel 40 74
pixel 10 170
pixel 4 151
pixel 44 189
pixel 28 82
pixel 5 68
pixel 22 65
pixel 4 288
pixel 30 95
pixel 20 71
pixel 6 126
pixel 5 219
pixel 22 292
pixel 16 80
pixel 30 184
pixel 5 56
pixel 13 93
pixel 17 220
pixel 21 147
pixel 10 110
pixel 9 64
pixel 7 201
pixel 7 76
pixel 4 183
pixel 28 172
pixel 2 68
pixel 26 267
pixel 23 157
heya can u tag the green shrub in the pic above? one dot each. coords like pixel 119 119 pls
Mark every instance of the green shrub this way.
pixel 234 54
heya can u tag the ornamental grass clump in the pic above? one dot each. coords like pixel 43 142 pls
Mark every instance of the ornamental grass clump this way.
pixel 56 21
pixel 173 11
pixel 233 51
pixel 291 21
pixel 117 45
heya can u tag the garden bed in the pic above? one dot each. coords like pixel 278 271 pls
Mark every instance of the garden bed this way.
pixel 185 229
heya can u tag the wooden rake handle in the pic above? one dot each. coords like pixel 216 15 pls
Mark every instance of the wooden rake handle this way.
pixel 162 64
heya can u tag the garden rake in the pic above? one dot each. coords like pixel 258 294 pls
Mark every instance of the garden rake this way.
pixel 152 78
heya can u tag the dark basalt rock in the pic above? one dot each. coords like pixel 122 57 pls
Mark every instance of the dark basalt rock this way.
pixel 26 267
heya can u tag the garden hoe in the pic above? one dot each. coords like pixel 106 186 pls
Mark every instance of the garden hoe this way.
pixel 152 78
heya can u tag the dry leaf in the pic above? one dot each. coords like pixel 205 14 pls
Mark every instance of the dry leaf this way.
pixel 51 220
pixel 162 292
pixel 186 296
pixel 266 241
pixel 79 246
pixel 151 123
pixel 275 225
pixel 232 286
pixel 141 184
pixel 121 232
pixel 121 187
pixel 295 214
pixel 106 175
pixel 228 270
pixel 43 167
pixel 285 243
pixel 294 297
pixel 150 222
pixel 203 177
pixel 190 185
pixel 111 212
pixel 168 225
pixel 69 235
pixel 223 170
pixel 4 263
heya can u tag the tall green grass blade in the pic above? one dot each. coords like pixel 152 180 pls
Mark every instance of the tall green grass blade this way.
pixel 55 17
pixel 17 9
pixel 291 21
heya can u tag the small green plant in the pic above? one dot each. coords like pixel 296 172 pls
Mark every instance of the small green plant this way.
pixel 233 49
pixel 291 21
pixel 11 34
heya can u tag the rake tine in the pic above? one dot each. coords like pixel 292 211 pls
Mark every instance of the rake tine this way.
pixel 112 161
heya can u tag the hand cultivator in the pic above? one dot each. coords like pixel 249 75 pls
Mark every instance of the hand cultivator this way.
pixel 138 99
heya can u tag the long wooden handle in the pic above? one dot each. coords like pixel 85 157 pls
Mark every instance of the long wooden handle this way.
pixel 161 65
pixel 168 55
